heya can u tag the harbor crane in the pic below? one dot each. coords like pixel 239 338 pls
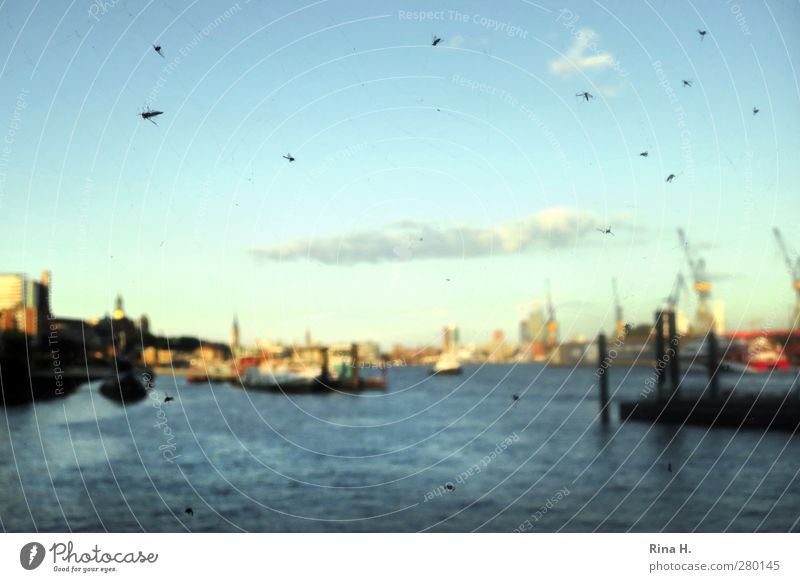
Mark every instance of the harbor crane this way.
pixel 675 295
pixel 619 323
pixel 794 273
pixel 697 265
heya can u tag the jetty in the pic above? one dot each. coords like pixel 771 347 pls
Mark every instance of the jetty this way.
pixel 705 403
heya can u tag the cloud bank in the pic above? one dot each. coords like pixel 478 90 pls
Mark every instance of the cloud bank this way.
pixel 404 240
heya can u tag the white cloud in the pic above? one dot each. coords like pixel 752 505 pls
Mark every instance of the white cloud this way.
pixel 412 239
pixel 576 59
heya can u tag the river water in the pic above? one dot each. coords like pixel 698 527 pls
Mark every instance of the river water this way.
pixel 446 453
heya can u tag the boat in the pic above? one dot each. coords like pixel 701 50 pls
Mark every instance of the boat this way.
pixel 220 372
pixel 279 379
pixel 756 356
pixel 348 377
pixel 125 387
pixel 448 363
pixel 760 355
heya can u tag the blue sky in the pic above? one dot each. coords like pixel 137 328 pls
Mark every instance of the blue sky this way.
pixel 478 146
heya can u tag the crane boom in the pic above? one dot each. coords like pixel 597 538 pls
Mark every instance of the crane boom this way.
pixel 704 318
pixel 794 270
pixel 675 294
pixel 697 267
pixel 687 252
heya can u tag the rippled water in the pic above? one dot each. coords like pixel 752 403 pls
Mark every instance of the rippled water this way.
pixel 379 461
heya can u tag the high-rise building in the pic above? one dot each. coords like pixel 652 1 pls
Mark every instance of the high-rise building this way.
pixel 450 338
pixel 524 332
pixel 12 291
pixel 24 303
pixel 536 326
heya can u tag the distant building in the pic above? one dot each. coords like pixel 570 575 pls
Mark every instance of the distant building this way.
pixel 682 325
pixel 144 325
pixel 538 335
pixel 524 332
pixel 24 303
pixel 718 316
pixel 124 335
pixel 450 338
pixel 497 350
pixel 536 326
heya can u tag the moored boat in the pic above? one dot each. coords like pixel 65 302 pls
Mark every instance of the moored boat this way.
pixel 756 356
pixel 221 372
pixel 268 377
pixel 447 363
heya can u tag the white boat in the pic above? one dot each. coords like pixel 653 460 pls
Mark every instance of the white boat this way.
pixel 268 377
pixel 448 363
pixel 212 372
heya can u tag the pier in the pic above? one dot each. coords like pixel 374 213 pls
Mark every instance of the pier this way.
pixel 706 404
pixel 22 384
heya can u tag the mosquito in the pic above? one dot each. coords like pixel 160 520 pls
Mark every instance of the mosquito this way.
pixel 436 40
pixel 686 83
pixel 585 94
pixel 755 110
pixel 605 230
pixel 149 114
pixel 702 33
pixel 670 178
pixel 157 48
pixel 644 154
pixel 289 157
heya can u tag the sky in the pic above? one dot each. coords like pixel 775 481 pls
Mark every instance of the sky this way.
pixel 431 184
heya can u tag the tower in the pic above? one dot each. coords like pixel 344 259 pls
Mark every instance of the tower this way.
pixel 119 311
pixel 144 325
pixel 235 335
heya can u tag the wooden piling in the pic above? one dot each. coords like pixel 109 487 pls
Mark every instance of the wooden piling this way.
pixel 660 353
pixel 356 374
pixel 713 364
pixel 603 369
pixel 674 370
pixel 325 371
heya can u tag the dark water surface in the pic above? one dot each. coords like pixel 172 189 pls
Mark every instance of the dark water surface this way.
pixel 251 461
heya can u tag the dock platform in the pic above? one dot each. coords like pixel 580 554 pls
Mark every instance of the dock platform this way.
pixel 766 411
